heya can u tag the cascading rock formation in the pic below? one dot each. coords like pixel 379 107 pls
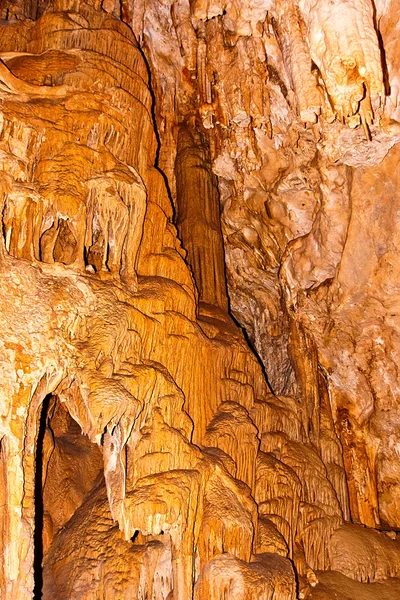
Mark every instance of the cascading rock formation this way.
pixel 200 299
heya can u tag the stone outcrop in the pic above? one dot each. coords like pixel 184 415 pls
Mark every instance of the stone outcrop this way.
pixel 199 346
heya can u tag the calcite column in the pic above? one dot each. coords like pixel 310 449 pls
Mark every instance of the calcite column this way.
pixel 198 217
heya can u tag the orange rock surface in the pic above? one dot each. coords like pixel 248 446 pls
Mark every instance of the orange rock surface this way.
pixel 199 333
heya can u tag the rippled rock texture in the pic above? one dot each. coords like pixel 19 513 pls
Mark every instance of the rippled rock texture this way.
pixel 199 334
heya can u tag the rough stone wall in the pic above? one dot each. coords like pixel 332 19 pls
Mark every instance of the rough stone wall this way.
pixel 300 104
pixel 152 154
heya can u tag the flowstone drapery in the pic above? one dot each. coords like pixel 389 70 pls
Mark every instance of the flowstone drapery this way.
pixel 199 333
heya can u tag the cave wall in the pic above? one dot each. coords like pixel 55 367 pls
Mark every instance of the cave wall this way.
pixel 299 101
pixel 199 327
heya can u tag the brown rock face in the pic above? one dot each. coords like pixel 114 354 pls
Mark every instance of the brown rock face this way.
pixel 199 327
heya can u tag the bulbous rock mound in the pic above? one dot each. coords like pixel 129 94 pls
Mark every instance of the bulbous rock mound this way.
pixel 199 340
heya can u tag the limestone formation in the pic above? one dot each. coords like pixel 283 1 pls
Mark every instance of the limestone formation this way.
pixel 199 326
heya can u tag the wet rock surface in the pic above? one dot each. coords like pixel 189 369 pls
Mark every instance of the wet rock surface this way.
pixel 199 331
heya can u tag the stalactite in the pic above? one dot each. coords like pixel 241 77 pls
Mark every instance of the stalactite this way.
pixel 198 216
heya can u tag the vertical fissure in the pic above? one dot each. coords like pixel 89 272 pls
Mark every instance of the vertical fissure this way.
pixel 39 504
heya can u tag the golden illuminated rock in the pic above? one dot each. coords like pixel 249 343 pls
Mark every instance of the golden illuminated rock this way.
pixel 199 335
